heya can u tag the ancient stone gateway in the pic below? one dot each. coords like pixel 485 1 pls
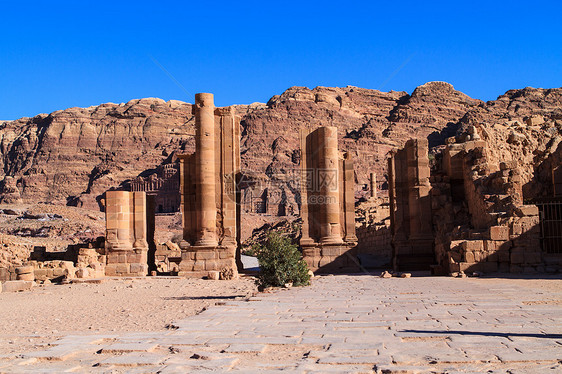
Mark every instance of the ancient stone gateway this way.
pixel 210 204
pixel 209 194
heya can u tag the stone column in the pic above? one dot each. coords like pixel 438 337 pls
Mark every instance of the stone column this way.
pixel 328 165
pixel 348 177
pixel 205 170
pixel 139 220
pixel 118 221
pixel 373 186
pixel 303 184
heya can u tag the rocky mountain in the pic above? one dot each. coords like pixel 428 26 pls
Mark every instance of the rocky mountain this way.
pixel 72 156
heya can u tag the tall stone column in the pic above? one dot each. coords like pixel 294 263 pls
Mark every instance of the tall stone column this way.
pixel 139 220
pixel 373 181
pixel 205 170
pixel 329 186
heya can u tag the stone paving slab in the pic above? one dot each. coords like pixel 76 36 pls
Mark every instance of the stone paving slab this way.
pixel 351 324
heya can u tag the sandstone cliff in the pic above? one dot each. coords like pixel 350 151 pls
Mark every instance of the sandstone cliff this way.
pixel 74 155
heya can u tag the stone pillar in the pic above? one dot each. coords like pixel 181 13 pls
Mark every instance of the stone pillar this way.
pixel 139 221
pixel 348 178
pixel 205 170
pixel 304 182
pixel 373 181
pixel 126 233
pixel 328 165
pixel 210 194
pixel 327 204
pixel 118 221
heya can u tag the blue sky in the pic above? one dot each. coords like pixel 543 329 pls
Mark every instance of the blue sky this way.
pixel 55 55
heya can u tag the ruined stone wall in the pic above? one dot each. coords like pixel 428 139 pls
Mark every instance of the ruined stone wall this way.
pixel 374 247
pixel 482 224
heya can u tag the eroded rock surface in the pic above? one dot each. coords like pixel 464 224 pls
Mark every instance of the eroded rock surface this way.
pixel 72 156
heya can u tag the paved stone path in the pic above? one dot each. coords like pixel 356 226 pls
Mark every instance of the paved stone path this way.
pixel 341 324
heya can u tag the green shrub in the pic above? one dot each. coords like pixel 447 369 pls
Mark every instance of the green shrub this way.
pixel 280 263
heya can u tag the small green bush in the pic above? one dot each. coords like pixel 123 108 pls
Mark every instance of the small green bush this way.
pixel 280 263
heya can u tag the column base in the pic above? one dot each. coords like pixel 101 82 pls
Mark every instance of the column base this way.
pixel 331 258
pixel 213 262
pixel 127 263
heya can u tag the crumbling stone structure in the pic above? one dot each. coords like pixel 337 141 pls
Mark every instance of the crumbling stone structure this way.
pixel 410 206
pixel 374 238
pixel 327 203
pixel 470 204
pixel 209 194
pixel 126 242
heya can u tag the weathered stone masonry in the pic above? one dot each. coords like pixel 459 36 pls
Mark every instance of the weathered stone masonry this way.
pixel 209 194
pixel 471 207
pixel 126 242
pixel 327 203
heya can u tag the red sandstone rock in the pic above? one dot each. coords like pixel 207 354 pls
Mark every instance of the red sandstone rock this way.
pixel 74 155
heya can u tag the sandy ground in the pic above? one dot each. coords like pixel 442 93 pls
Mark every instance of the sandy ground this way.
pixel 30 318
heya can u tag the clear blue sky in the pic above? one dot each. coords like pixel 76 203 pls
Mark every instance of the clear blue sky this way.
pixel 55 55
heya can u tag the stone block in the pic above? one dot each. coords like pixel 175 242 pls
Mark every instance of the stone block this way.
pixel 532 257
pixel 227 253
pixel 133 258
pixel 490 246
pixel 480 256
pixel 468 267
pixel 469 257
pixel 59 272
pixel 213 275
pixel 199 265
pixel 24 270
pixel 185 266
pixel 312 262
pixel 122 268
pixel 331 251
pixel 528 210
pixel 516 229
pixel 41 274
pixel 26 277
pixel 325 260
pixel 517 257
pixel 205 255
pixel 112 258
pixel 499 233
pixel 516 269
pixel 211 265
pixel 473 245
pixel 490 267
pixel 17 285
pixel 504 267
pixel 4 275
pixel 139 269
pixel 190 256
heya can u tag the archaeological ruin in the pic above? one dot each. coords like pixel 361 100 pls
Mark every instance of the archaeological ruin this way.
pixel 487 199
pixel 327 203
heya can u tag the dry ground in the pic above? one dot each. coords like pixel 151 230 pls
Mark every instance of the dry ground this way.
pixel 115 305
